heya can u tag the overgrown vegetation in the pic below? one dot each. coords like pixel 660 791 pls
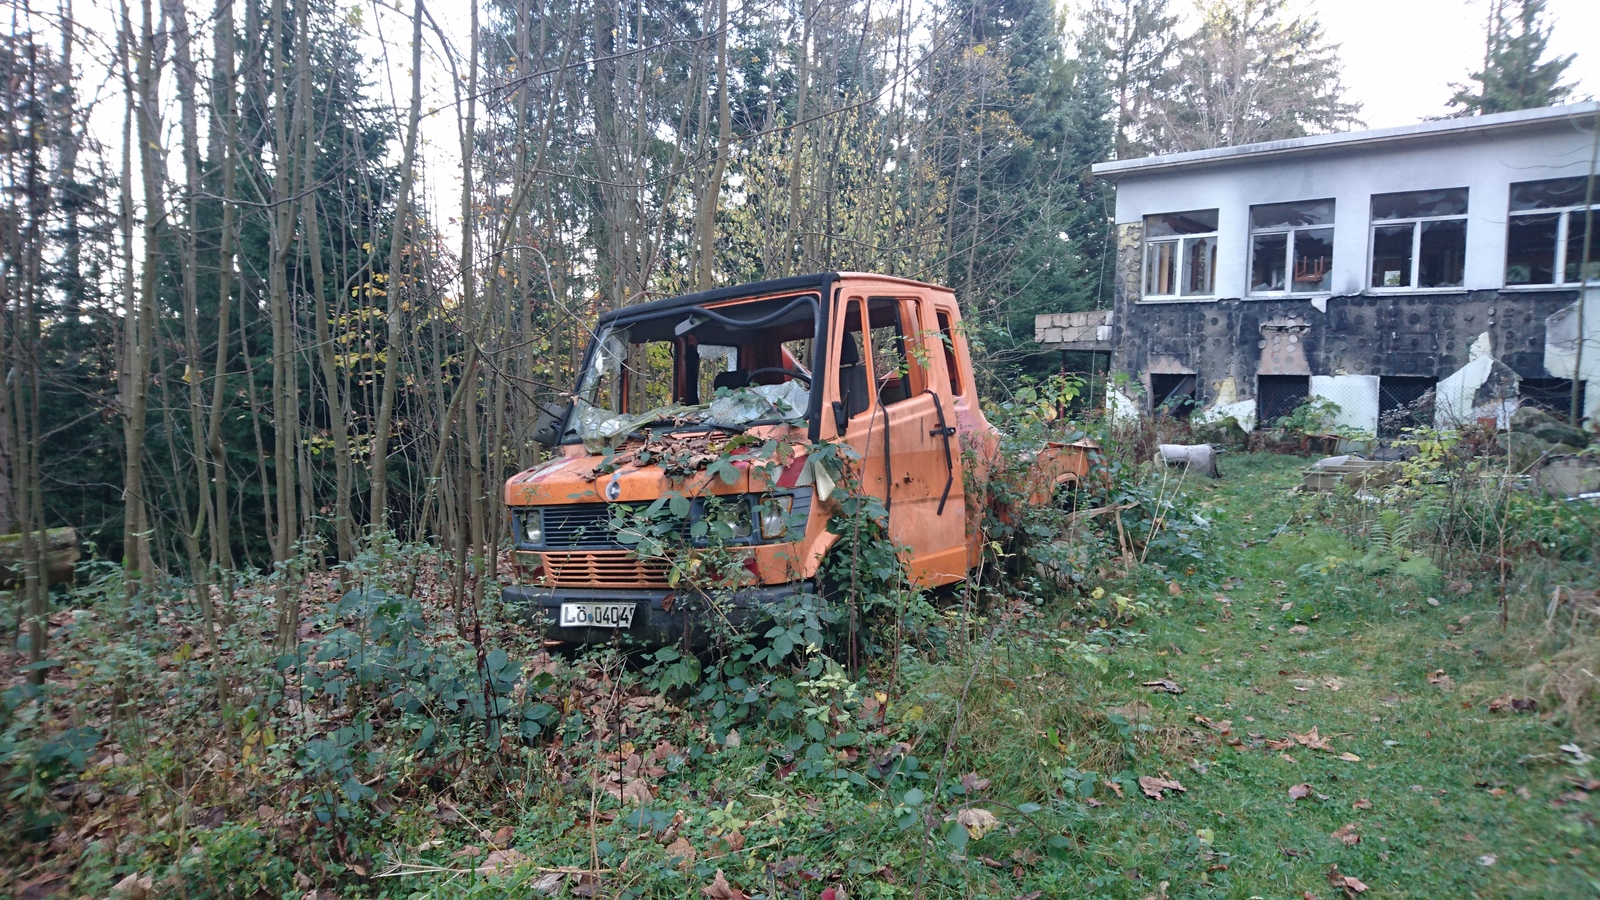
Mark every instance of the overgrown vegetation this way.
pixel 1214 645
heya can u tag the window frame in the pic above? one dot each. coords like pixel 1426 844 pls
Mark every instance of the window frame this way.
pixel 1374 223
pixel 1180 267
pixel 1564 216
pixel 1290 232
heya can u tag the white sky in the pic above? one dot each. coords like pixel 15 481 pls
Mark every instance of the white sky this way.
pixel 1400 56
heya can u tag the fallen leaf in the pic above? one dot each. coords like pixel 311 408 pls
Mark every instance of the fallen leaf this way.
pixel 1488 859
pixel 1350 885
pixel 502 859
pixel 1433 601
pixel 972 782
pixel 1333 684
pixel 1174 589
pixel 1116 787
pixel 978 822
pixel 1311 740
pixel 1153 786
pixel 548 884
pixel 1347 835
pixel 1300 629
pixel 1300 791
pixel 636 791
pixel 1361 804
pixel 719 889
pixel 1164 686
pixel 503 837
pixel 735 840
pixel 1497 792
pixel 683 852
pixel 468 850
pixel 1440 680
pixel 1391 700
pixel 1349 757
pixel 1095 803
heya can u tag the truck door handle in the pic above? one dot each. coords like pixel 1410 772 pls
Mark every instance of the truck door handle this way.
pixel 944 431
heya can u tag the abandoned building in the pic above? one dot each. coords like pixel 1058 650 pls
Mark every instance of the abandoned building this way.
pixel 1367 267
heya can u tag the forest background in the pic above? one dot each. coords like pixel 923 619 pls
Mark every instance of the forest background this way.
pixel 235 338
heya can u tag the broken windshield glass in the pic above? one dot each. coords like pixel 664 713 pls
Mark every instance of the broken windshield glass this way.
pixel 728 366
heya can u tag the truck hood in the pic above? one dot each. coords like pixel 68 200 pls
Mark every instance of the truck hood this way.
pixel 646 470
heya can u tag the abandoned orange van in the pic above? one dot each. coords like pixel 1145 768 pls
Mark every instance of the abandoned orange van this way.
pixel 875 362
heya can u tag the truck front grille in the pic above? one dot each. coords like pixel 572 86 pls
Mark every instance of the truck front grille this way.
pixel 580 525
pixel 602 569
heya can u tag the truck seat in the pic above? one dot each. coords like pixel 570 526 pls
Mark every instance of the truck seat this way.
pixel 853 388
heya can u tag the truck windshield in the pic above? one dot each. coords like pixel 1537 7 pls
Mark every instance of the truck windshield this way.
pixel 729 365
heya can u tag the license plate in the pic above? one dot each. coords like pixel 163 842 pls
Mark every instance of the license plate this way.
pixel 597 615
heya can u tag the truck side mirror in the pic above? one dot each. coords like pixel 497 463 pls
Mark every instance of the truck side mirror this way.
pixel 547 428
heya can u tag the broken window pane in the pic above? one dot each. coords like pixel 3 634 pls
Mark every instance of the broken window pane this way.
pixel 1269 254
pixel 1575 222
pixel 1420 204
pixel 1313 260
pixel 1552 193
pixel 1161 268
pixel 1531 249
pixel 1291 215
pixel 1199 265
pixel 1391 256
pixel 1441 261
pixel 1198 221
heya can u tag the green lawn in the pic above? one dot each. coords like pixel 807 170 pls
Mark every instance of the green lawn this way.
pixel 1416 788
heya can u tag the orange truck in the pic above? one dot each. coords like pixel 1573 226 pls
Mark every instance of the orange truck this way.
pixel 667 387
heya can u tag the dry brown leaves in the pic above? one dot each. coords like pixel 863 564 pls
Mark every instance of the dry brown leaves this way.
pixel 1516 704
pixel 1347 835
pixel 719 889
pixel 1164 686
pixel 1153 787
pixel 1300 791
pixel 1440 680
pixel 1347 883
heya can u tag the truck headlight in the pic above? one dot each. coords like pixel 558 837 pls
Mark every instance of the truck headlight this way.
pixel 775 516
pixel 533 527
pixel 733 514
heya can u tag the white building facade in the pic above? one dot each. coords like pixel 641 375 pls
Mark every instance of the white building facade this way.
pixel 1367 267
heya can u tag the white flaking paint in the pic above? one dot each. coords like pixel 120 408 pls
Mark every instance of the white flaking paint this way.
pixel 1561 343
pixel 1356 395
pixel 1456 399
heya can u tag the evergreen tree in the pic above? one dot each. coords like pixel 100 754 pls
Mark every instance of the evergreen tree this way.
pixel 1515 73
pixel 1250 72
pixel 1135 41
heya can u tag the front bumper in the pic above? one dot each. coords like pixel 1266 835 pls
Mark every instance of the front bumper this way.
pixel 660 616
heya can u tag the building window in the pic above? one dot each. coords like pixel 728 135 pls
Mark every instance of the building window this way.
pixel 1279 395
pixel 1180 254
pixel 1173 395
pixel 1291 248
pixel 1544 237
pixel 1419 239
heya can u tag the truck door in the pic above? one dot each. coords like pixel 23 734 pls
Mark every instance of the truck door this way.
pixel 901 422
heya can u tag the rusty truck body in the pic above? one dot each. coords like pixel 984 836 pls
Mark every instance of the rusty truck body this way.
pixel 874 362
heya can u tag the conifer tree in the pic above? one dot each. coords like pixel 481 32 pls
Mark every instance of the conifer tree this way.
pixel 1515 73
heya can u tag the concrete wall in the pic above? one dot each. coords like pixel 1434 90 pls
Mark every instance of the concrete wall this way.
pixel 1353 331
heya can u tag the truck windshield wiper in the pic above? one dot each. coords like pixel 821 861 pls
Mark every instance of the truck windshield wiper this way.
pixel 697 426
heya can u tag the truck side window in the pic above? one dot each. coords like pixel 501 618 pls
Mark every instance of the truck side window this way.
pixel 897 375
pixel 947 339
pixel 855 390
